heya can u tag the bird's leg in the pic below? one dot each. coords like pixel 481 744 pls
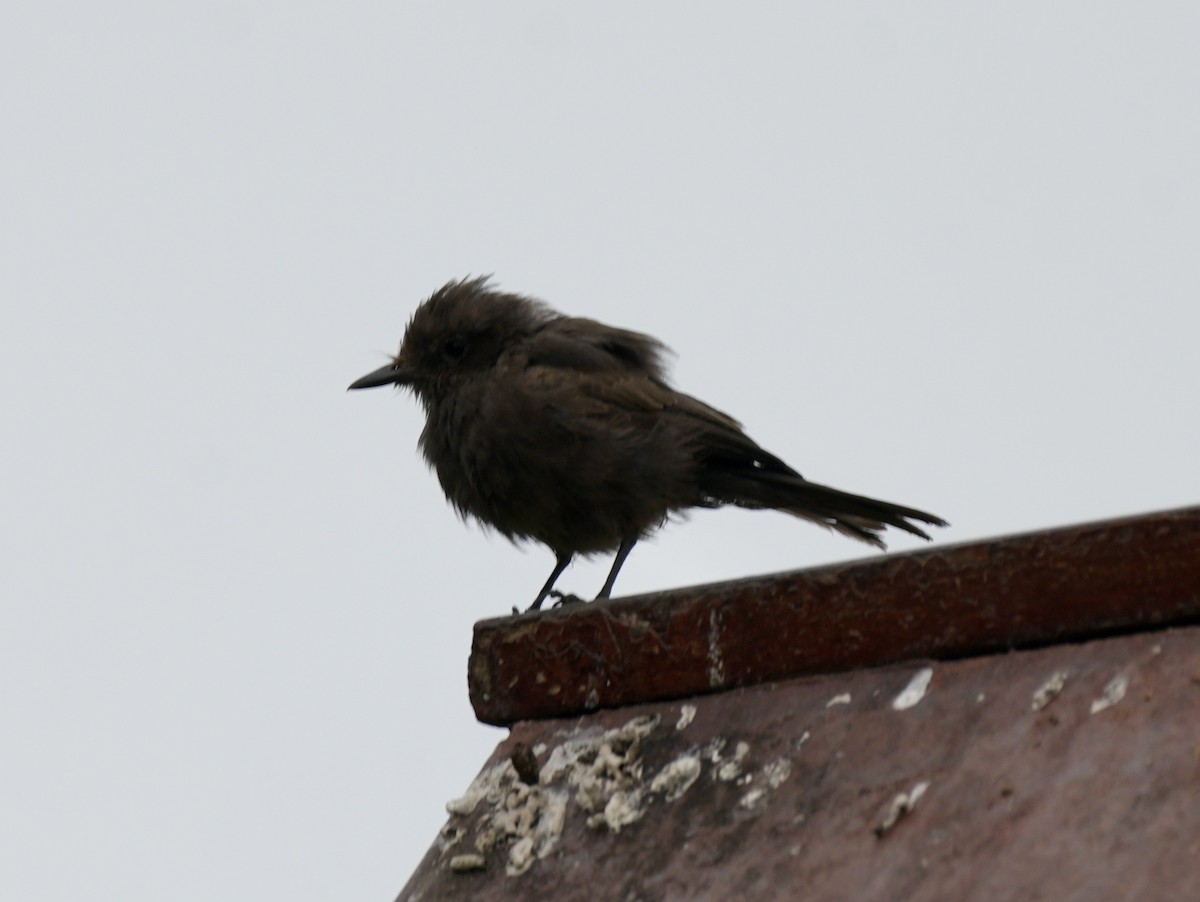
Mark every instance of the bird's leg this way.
pixel 623 550
pixel 560 565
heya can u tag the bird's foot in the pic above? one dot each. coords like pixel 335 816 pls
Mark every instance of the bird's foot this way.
pixel 562 600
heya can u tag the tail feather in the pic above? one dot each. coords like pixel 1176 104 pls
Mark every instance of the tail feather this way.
pixel 734 469
pixel 856 516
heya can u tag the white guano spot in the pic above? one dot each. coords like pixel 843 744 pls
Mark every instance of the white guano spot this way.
pixel 1114 691
pixel 914 691
pixel 623 809
pixel 842 699
pixel 677 777
pixel 902 804
pixel 481 787
pixel 777 772
pixel 732 769
pixel 1048 691
pixel 687 713
pixel 753 797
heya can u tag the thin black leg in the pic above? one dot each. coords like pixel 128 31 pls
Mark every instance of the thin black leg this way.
pixel 559 566
pixel 622 553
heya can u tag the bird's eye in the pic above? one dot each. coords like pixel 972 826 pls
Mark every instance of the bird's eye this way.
pixel 454 348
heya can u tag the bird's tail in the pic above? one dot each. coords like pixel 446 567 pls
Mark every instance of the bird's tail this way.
pixel 856 516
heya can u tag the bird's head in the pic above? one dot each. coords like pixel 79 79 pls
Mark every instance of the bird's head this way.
pixel 460 331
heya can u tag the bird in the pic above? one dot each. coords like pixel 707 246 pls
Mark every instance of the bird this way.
pixel 565 431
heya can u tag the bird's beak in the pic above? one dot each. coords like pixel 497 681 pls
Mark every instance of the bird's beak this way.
pixel 394 373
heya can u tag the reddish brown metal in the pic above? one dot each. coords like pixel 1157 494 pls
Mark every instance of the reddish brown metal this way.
pixel 1014 592
pixel 1066 772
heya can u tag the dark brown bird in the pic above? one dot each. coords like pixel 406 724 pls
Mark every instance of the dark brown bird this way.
pixel 564 430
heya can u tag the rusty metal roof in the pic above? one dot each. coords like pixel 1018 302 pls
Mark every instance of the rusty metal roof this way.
pixel 852 732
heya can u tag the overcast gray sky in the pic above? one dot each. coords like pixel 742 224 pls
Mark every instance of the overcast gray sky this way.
pixel 944 254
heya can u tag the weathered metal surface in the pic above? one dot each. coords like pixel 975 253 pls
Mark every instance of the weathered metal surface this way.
pixel 1066 772
pixel 1013 592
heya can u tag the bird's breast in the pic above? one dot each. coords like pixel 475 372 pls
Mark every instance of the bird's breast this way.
pixel 532 464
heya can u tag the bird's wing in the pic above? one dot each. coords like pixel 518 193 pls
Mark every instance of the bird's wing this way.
pixel 721 441
pixel 642 402
pixel 587 346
